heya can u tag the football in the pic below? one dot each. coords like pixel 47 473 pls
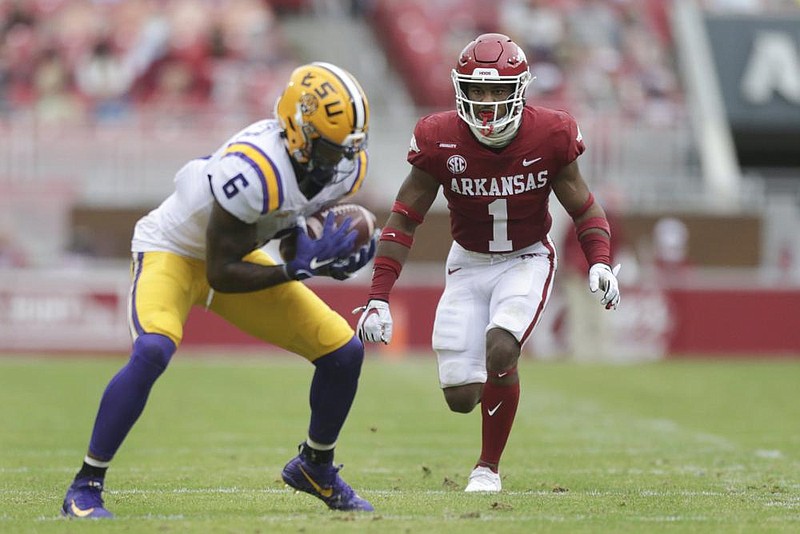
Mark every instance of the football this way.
pixel 362 220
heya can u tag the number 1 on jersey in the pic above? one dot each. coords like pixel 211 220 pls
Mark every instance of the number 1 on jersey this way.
pixel 498 209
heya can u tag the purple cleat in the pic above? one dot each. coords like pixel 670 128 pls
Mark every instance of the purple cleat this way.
pixel 323 482
pixel 84 500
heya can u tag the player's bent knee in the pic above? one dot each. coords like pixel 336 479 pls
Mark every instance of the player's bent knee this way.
pixel 153 349
pixel 501 362
pixel 463 399
pixel 460 407
pixel 502 350
pixel 347 358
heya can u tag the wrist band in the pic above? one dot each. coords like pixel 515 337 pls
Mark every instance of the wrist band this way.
pixel 385 273
pixel 407 211
pixel 396 236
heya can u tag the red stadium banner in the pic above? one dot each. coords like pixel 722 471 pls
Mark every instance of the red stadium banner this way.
pixel 733 321
pixel 675 323
pixel 75 311
pixel 63 311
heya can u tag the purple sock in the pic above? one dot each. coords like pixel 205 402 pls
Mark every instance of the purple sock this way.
pixel 126 394
pixel 333 390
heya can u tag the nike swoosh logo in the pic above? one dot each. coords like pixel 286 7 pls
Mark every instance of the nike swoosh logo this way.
pixel 491 411
pixel 325 492
pixel 501 375
pixel 315 264
pixel 78 512
pixel 526 162
pixel 390 234
pixel 451 271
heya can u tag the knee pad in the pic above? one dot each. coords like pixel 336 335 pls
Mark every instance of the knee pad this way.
pixel 154 350
pixel 346 358
pixel 454 319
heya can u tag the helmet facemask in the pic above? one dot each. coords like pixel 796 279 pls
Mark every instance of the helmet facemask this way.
pixel 491 126
pixel 323 164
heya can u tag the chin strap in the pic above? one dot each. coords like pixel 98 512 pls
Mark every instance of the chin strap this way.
pixel 496 139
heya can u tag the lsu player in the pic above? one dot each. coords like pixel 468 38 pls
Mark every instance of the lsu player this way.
pixel 497 160
pixel 201 246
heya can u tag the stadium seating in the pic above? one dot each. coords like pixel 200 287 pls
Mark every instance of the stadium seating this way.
pixel 585 54
pixel 74 61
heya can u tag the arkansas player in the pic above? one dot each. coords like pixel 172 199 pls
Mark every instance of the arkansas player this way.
pixel 496 160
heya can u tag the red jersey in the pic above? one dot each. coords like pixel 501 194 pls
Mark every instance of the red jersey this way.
pixel 498 198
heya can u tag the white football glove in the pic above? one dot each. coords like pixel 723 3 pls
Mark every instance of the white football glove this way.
pixel 375 323
pixel 604 278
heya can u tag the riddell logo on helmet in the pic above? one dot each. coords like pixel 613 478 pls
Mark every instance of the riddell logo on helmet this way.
pixel 485 72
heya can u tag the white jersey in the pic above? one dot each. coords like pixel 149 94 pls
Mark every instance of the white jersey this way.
pixel 251 176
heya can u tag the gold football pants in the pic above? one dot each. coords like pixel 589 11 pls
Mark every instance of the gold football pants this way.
pixel 165 286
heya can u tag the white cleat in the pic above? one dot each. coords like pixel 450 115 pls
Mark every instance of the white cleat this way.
pixel 483 479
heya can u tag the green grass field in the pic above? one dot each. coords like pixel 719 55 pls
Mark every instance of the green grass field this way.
pixel 665 447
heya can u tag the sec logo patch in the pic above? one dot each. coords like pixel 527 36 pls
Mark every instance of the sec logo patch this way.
pixel 456 164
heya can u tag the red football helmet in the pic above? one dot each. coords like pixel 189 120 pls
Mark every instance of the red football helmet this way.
pixel 492 58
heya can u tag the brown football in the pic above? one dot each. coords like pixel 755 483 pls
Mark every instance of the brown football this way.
pixel 362 221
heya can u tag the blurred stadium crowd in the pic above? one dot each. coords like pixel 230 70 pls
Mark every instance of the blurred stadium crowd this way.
pixel 103 60
pixel 73 60
pixel 586 54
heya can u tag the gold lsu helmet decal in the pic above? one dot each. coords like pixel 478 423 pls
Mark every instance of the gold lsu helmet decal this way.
pixel 309 104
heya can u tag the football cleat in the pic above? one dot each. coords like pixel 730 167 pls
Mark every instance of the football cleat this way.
pixel 483 479
pixel 84 500
pixel 323 482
